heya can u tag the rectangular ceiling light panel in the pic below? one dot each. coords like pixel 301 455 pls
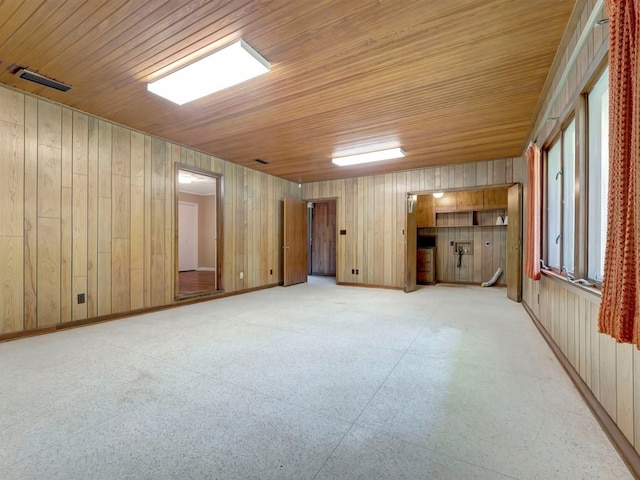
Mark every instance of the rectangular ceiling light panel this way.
pixel 378 156
pixel 232 65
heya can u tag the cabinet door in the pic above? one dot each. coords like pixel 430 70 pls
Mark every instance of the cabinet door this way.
pixel 431 266
pixel 447 203
pixel 425 266
pixel 495 199
pixel 422 260
pixel 425 214
pixel 469 200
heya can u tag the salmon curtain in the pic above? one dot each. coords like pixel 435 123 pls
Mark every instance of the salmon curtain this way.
pixel 534 172
pixel 619 308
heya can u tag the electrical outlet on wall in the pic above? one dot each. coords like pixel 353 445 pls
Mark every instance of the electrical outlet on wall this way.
pixel 241 274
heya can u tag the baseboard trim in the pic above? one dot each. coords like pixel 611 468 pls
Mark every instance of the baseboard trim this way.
pixel 367 285
pixel 5 337
pixel 472 284
pixel 628 454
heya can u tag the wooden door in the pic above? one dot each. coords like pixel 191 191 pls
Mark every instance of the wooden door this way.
pixel 295 242
pixel 323 238
pixel 410 252
pixel 514 243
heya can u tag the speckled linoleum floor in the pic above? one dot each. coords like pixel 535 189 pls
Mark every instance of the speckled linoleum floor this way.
pixel 314 381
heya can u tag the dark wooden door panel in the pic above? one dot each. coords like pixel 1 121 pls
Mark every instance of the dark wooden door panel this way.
pixel 323 241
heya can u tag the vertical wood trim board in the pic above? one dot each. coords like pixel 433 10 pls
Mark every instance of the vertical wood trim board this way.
pixel 12 211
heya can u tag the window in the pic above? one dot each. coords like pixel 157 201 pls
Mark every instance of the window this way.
pixel 576 176
pixel 561 176
pixel 553 206
pixel 598 164
pixel 568 194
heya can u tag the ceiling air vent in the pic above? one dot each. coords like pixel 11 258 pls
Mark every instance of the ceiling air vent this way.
pixel 42 80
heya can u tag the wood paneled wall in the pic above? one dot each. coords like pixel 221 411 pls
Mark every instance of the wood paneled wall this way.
pixel 611 370
pixel 569 314
pixel 87 206
pixel 489 251
pixel 372 210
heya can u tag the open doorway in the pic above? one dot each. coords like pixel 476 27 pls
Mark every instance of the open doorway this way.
pixel 197 236
pixel 322 239
pixel 465 236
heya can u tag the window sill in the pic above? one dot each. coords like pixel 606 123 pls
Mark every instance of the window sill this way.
pixel 595 291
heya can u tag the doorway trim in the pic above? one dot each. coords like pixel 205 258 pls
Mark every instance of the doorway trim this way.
pixel 219 243
pixel 511 242
pixel 338 252
pixel 311 237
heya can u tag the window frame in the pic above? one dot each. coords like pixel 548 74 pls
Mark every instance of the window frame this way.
pixel 558 140
pixel 587 165
pixel 577 111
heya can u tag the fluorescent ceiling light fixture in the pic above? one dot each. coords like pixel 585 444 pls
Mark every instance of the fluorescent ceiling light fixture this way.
pixel 42 80
pixel 438 194
pixel 184 178
pixel 377 156
pixel 232 65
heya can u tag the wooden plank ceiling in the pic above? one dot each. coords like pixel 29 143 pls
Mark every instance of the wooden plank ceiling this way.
pixel 449 81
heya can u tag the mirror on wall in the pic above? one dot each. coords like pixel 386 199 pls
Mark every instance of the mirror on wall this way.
pixel 197 251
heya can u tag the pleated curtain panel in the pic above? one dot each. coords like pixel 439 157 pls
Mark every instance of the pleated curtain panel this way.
pixel 532 253
pixel 619 308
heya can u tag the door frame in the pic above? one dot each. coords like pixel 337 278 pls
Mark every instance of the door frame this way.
pixel 337 201
pixel 310 234
pixel 409 248
pixel 219 245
